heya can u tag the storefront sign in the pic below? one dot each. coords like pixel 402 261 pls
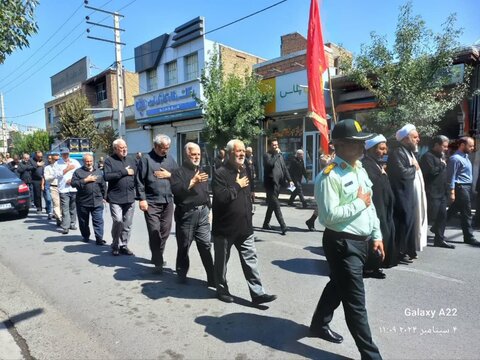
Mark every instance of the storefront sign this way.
pixel 165 101
pixel 291 92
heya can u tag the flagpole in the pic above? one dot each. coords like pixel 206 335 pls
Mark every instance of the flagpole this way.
pixel 331 96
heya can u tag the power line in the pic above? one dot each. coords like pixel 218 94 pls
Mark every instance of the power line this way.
pixel 43 108
pixel 54 46
pixel 220 27
pixel 130 3
pixel 41 46
pixel 48 62
pixel 19 116
pixel 245 17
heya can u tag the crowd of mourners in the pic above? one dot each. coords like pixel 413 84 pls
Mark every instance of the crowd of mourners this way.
pixel 375 204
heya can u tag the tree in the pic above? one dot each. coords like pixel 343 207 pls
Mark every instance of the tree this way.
pixel 75 121
pixel 412 81
pixel 39 140
pixel 105 139
pixel 233 106
pixel 17 24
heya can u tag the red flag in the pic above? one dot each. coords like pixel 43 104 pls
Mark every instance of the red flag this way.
pixel 316 65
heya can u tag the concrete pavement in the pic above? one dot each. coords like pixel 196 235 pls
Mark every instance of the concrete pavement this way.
pixel 70 300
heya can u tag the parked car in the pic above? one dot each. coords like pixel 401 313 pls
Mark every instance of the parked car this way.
pixel 14 194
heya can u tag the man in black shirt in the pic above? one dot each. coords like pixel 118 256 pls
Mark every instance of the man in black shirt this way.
pixel 90 187
pixel 434 169
pixel 232 225
pixel 190 189
pixel 155 195
pixel 38 166
pixel 297 171
pixel 275 175
pixel 119 171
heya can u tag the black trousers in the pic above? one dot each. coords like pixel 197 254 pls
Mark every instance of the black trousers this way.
pixel 437 216
pixel 464 206
pixel 404 220
pixel 193 225
pixel 159 223
pixel 346 258
pixel 298 191
pixel 37 194
pixel 83 214
pixel 273 206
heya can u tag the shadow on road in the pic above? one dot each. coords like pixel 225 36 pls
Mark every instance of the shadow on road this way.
pixel 277 230
pixel 315 249
pixel 304 266
pixel 15 319
pixel 276 333
pixel 169 287
pixel 193 289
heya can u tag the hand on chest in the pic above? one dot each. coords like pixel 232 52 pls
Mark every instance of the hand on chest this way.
pixel 351 182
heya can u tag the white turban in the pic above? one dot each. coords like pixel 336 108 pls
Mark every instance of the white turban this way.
pixel 404 131
pixel 375 141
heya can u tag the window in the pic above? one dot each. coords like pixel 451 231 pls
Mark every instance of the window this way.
pixel 171 73
pixel 51 114
pixel 101 91
pixel 152 79
pixel 191 66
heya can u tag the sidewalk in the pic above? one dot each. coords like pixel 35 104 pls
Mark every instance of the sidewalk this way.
pixel 9 348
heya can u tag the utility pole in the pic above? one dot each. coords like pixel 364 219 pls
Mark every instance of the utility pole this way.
pixel 4 127
pixel 118 60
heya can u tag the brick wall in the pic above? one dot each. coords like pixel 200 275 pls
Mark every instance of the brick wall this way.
pixel 291 43
pixel 235 61
pixel 132 86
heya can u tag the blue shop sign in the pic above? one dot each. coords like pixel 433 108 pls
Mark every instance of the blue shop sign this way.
pixel 166 101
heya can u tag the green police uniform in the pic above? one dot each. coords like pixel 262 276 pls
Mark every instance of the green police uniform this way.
pixel 339 208
pixel 349 224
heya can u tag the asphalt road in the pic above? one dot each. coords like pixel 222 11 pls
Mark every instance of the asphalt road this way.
pixel 70 300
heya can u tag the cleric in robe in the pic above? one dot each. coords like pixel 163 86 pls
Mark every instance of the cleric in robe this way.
pixel 410 203
pixel 382 197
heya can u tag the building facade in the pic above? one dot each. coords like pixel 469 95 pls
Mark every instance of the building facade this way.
pixel 169 69
pixel 100 90
pixel 286 114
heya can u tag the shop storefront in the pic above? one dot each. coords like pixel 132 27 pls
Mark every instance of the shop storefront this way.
pixel 287 121
pixel 174 112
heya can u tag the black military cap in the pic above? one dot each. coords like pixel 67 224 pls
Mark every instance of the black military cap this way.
pixel 350 129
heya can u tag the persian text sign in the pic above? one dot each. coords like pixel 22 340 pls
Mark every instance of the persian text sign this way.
pixel 167 100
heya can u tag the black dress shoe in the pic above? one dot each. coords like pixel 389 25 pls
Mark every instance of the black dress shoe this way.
pixel 64 231
pixel 158 270
pixel 125 250
pixel 405 260
pixel 225 298
pixel 284 231
pixel 310 225
pixel 115 252
pixel 473 242
pixel 444 244
pixel 266 227
pixel 262 299
pixel 327 334
pixel 376 274
pixel 100 242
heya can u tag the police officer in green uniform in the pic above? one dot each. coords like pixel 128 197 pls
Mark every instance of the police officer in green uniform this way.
pixel 343 193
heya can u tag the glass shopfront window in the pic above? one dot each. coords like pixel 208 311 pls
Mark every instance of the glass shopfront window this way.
pixel 289 134
pixel 207 159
